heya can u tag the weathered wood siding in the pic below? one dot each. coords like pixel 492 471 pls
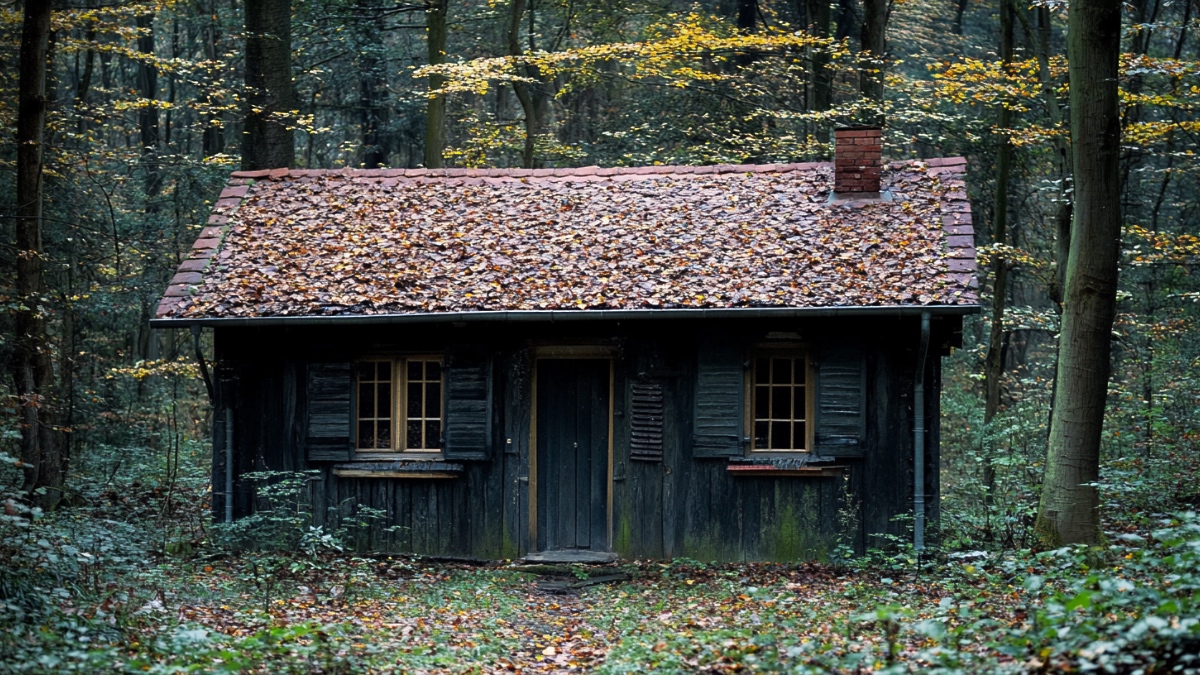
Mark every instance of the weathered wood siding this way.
pixel 680 500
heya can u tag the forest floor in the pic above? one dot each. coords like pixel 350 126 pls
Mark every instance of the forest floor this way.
pixel 130 582
pixel 330 613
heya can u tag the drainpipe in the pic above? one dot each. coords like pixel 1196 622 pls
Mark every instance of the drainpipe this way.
pixel 229 464
pixel 919 438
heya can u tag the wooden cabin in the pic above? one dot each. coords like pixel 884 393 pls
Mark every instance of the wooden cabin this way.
pixel 719 363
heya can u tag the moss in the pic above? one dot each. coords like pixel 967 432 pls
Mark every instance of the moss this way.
pixel 787 537
pixel 508 548
pixel 709 546
pixel 624 536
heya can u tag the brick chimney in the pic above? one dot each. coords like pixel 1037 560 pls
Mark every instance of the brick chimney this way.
pixel 857 157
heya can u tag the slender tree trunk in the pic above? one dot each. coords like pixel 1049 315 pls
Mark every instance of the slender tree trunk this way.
pixel 267 140
pixel 372 86
pixel 994 364
pixel 213 141
pixel 32 367
pixel 960 8
pixel 817 17
pixel 1062 216
pixel 435 116
pixel 1069 507
pixel 532 96
pixel 874 47
pixel 147 79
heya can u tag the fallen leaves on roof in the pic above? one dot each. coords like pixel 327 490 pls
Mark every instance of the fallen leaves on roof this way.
pixel 361 243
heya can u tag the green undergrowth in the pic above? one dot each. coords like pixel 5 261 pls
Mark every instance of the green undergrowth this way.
pixel 1135 605
pixel 131 578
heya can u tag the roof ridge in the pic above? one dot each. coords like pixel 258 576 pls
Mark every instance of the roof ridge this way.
pixel 557 172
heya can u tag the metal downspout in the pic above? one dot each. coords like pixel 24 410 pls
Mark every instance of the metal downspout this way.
pixel 229 464
pixel 919 438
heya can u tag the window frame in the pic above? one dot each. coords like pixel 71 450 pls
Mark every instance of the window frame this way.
pixel 399 413
pixel 792 350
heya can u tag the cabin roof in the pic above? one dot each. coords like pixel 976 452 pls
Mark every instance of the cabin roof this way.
pixel 359 243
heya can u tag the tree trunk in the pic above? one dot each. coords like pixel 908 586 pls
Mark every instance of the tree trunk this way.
pixel 435 116
pixel 32 360
pixel 960 8
pixel 874 48
pixel 267 140
pixel 818 17
pixel 372 85
pixel 213 141
pixel 994 364
pixel 532 96
pixel 1069 508
pixel 147 78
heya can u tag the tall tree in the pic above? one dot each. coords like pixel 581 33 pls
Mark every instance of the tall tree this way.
pixel 267 139
pixel 817 15
pixel 874 47
pixel 531 91
pixel 1069 507
pixel 994 364
pixel 32 366
pixel 435 114
pixel 372 85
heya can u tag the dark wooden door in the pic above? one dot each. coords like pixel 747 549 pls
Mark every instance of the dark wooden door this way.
pixel 572 454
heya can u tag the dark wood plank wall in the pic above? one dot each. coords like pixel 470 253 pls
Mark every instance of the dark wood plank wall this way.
pixel 681 506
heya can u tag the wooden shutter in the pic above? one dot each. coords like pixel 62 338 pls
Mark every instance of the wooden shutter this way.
pixel 841 402
pixel 646 421
pixel 719 408
pixel 330 435
pixel 467 427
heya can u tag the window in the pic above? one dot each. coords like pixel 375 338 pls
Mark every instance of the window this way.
pixel 400 404
pixel 779 401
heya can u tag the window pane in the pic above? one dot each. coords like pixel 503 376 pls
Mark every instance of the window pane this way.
pixel 414 434
pixel 433 398
pixel 781 436
pixel 762 370
pixel 799 439
pixel 801 372
pixel 781 371
pixel 366 435
pixel 762 401
pixel 433 370
pixel 433 433
pixel 366 370
pixel 798 409
pixel 414 399
pixel 383 435
pixel 781 403
pixel 385 400
pixel 414 370
pixel 383 371
pixel 760 436
pixel 366 400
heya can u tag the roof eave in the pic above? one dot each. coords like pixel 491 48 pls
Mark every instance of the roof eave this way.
pixel 556 316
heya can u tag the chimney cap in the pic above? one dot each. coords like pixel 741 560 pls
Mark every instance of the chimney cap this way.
pixel 859 127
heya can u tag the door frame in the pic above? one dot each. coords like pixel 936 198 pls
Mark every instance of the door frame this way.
pixel 569 352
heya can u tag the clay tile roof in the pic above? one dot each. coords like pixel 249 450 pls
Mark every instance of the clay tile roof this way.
pixel 345 242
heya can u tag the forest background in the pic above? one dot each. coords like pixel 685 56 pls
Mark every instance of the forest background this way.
pixel 149 105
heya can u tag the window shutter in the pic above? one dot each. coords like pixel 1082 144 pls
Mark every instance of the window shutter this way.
pixel 467 426
pixel 720 369
pixel 330 412
pixel 841 403
pixel 646 421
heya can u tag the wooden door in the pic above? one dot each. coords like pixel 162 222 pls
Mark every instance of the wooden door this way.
pixel 572 454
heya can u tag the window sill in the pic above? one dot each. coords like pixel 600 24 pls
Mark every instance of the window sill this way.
pixel 783 467
pixel 401 468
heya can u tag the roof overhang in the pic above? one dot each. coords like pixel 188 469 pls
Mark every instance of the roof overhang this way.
pixel 569 315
